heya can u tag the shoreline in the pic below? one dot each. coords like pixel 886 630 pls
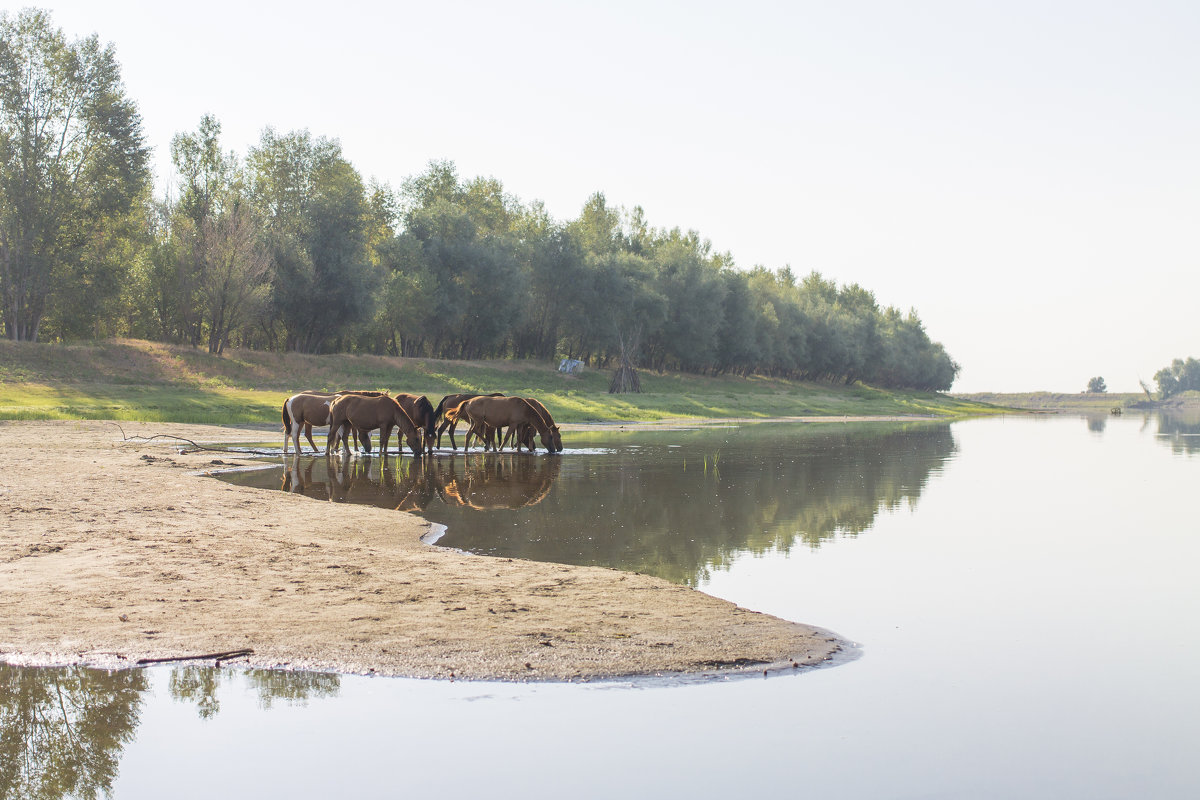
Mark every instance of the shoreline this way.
pixel 116 550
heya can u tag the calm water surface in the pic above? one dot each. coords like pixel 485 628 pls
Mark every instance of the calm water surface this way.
pixel 1023 591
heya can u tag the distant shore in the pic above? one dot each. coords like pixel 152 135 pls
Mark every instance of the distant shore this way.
pixel 1098 402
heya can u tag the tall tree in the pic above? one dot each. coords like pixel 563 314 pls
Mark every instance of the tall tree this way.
pixel 209 256
pixel 237 272
pixel 318 220
pixel 72 165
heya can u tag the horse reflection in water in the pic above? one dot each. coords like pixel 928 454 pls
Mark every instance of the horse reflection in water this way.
pixel 487 483
pixel 473 481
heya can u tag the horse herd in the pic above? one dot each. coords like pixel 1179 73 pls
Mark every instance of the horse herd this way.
pixel 416 419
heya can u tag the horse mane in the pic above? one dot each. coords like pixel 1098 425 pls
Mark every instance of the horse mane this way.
pixel 549 424
pixel 396 403
pixel 539 413
pixel 426 406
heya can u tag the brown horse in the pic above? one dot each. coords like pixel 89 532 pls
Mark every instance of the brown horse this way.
pixel 311 408
pixel 524 435
pixel 504 412
pixel 421 411
pixel 448 402
pixel 367 414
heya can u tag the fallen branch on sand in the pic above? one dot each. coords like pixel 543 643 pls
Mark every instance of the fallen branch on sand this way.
pixel 218 657
pixel 196 448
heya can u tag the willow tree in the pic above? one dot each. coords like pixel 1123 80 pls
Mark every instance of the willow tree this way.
pixel 73 167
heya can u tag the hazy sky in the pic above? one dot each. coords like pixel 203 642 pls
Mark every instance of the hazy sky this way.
pixel 1025 174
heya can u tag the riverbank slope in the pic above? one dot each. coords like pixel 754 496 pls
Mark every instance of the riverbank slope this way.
pixel 130 379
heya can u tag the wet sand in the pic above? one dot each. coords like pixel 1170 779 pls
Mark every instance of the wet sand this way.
pixel 116 551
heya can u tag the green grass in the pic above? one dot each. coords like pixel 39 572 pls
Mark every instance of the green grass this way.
pixel 151 382
pixel 1056 401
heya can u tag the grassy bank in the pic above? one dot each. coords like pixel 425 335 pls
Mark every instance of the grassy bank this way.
pixel 1086 402
pixel 152 382
pixel 1089 403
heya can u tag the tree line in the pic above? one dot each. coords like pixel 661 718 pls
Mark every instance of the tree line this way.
pixel 288 247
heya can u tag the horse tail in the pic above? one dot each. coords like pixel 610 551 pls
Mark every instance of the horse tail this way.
pixel 441 407
pixel 287 417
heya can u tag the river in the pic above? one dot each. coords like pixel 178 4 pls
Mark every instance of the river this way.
pixel 1022 592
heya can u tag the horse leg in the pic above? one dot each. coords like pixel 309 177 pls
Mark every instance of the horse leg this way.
pixel 308 433
pixel 294 435
pixel 385 434
pixel 510 435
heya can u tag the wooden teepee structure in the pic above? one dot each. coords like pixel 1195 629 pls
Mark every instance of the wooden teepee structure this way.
pixel 626 378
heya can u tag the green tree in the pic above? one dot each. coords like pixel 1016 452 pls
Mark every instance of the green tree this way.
pixel 207 176
pixel 473 270
pixel 211 269
pixel 237 270
pixel 1181 376
pixel 688 277
pixel 73 167
pixel 318 221
pixel 1096 386
pixel 558 280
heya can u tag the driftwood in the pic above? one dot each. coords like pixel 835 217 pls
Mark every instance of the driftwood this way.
pixel 196 448
pixel 218 657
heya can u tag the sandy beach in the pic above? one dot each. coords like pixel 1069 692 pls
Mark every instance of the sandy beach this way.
pixel 117 549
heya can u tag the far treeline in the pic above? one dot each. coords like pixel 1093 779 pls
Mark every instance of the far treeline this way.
pixel 1182 376
pixel 288 248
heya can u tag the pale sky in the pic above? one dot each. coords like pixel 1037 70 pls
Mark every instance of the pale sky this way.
pixel 1026 175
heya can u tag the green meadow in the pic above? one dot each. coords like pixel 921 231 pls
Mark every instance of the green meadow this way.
pixel 152 382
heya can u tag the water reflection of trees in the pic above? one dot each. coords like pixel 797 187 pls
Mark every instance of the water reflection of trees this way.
pixel 62 730
pixel 1180 431
pixel 200 685
pixel 677 513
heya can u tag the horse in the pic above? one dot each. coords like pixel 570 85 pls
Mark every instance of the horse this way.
pixel 311 408
pixel 505 412
pixel 524 436
pixel 366 414
pixel 421 410
pixel 448 402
